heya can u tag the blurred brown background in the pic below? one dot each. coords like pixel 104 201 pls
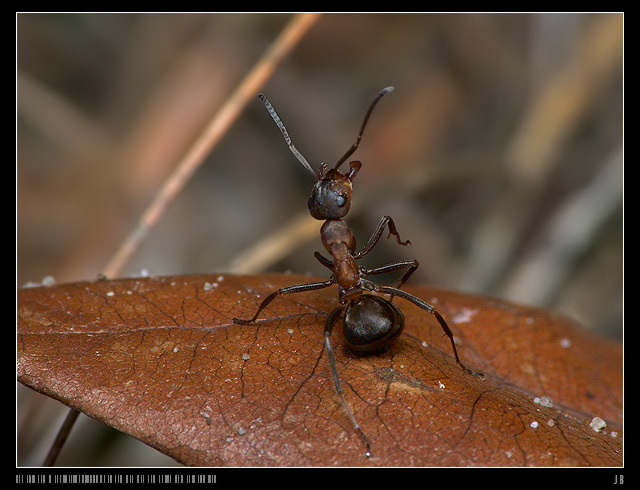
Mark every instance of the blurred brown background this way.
pixel 499 155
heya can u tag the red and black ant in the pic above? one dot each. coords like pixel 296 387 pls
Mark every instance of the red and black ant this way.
pixel 370 322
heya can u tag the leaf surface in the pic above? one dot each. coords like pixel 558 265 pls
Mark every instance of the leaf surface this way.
pixel 160 359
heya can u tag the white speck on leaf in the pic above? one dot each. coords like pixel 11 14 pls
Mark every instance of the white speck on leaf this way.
pixel 545 401
pixel 464 316
pixel 565 343
pixel 597 424
pixel 48 281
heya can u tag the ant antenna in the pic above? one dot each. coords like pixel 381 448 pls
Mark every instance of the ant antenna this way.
pixel 283 130
pixel 354 147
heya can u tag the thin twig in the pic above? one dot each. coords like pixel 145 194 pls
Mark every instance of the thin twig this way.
pixel 218 126
pixel 63 433
pixel 211 135
pixel 569 232
pixel 531 155
pixel 276 245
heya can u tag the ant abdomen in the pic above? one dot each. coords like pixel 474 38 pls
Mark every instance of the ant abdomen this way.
pixel 371 323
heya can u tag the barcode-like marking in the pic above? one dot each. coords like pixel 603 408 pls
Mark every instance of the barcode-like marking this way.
pixel 126 479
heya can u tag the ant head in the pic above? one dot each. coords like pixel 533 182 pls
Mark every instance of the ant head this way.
pixel 331 195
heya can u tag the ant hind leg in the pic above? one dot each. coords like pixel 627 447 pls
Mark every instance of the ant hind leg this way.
pixel 331 320
pixel 443 324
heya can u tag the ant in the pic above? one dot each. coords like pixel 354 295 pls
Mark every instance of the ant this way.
pixel 370 322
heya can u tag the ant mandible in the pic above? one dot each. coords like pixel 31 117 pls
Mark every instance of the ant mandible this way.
pixel 370 322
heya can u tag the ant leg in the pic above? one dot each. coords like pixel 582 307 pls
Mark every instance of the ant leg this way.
pixel 386 220
pixel 331 319
pixel 323 260
pixel 411 264
pixel 441 321
pixel 287 290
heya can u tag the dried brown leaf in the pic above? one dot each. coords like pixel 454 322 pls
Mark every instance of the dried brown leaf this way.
pixel 160 359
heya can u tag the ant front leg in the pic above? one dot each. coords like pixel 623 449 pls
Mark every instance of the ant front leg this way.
pixel 386 220
pixel 287 290
pixel 426 306
pixel 331 320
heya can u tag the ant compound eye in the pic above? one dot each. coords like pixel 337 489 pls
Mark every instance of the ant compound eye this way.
pixel 341 201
